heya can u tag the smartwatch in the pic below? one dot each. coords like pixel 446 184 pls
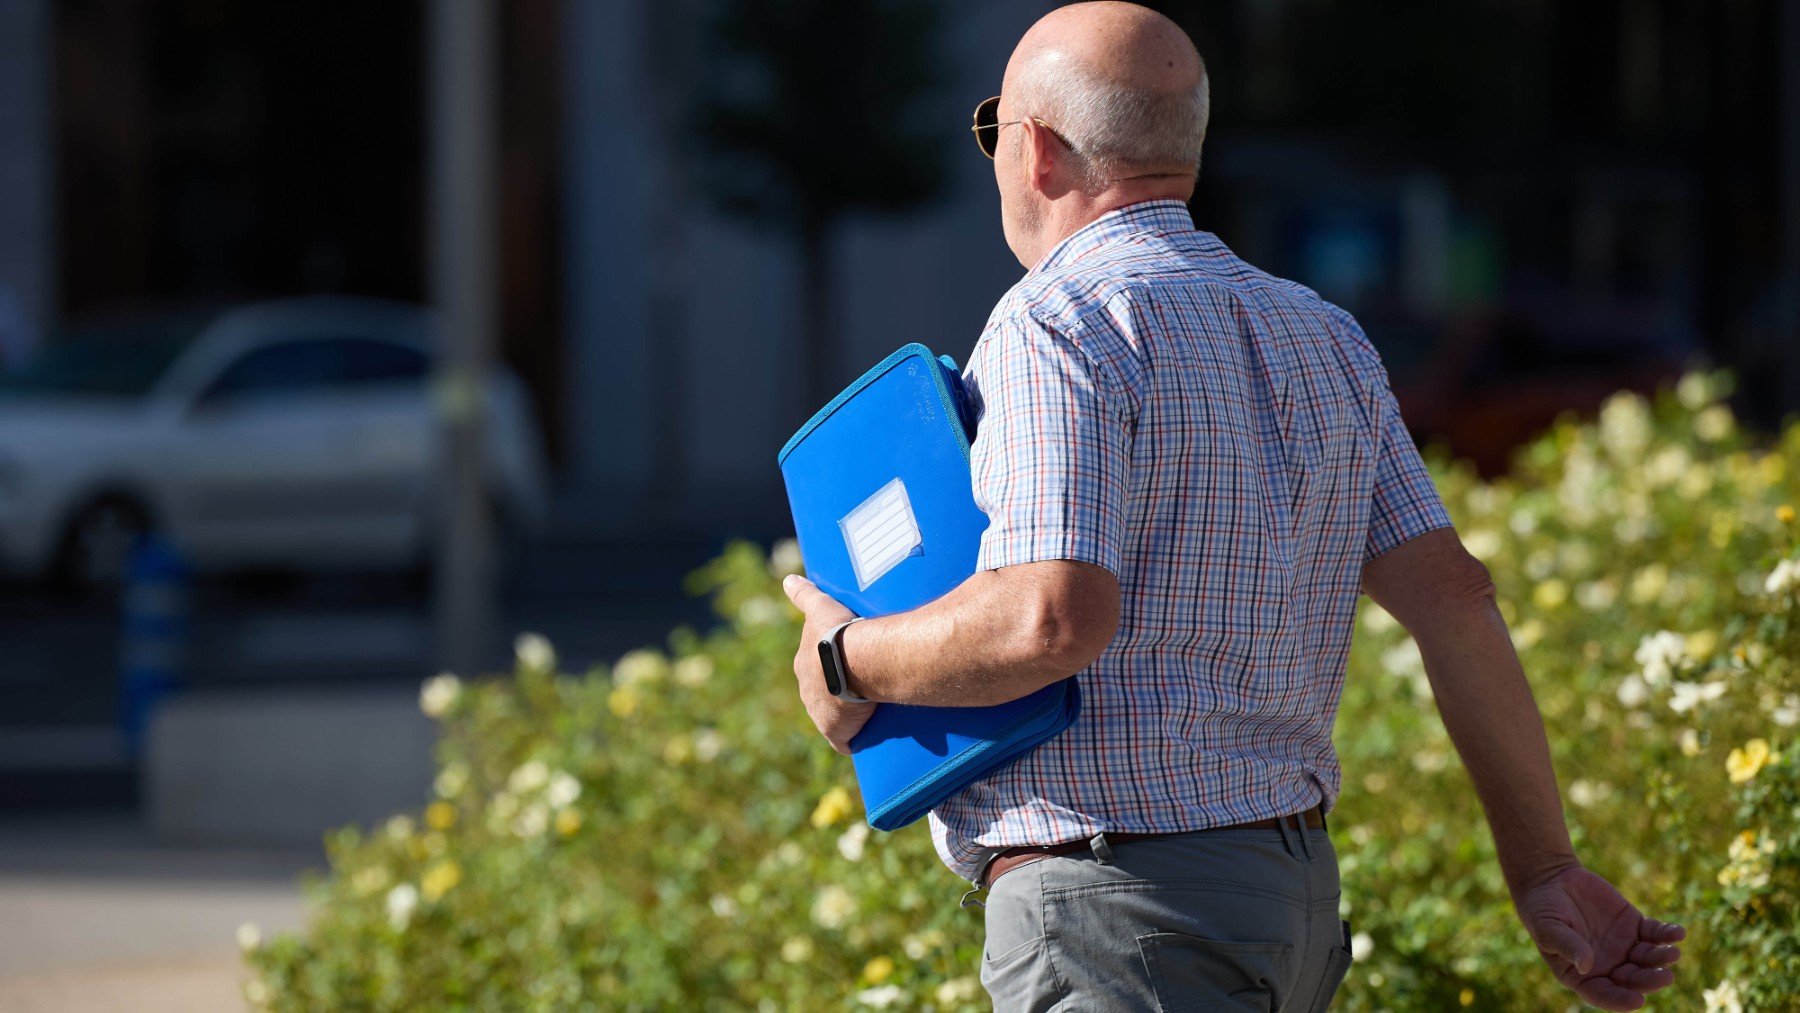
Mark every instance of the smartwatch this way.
pixel 831 661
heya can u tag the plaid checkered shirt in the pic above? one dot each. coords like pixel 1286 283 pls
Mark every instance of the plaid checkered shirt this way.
pixel 1226 443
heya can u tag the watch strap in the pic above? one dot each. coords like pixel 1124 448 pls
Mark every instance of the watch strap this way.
pixel 834 642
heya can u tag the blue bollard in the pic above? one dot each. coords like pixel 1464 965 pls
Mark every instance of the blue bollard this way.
pixel 153 634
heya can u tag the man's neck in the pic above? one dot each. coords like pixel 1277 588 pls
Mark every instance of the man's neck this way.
pixel 1077 211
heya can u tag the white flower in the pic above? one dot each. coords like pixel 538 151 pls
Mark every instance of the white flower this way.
pixel 723 906
pixel 1361 945
pixel 1689 695
pixel 256 993
pixel 534 652
pixel 1597 595
pixel 1714 423
pixel 1788 714
pixel 1694 391
pixel 760 611
pixel 1633 692
pixel 796 949
pixel 850 843
pixel 963 989
pixel 639 667
pixel 1784 578
pixel 881 996
pixel 784 558
pixel 399 828
pixel 249 937
pixel 693 670
pixel 834 907
pixel 1430 761
pixel 708 743
pixel 532 821
pixel 1659 654
pixel 402 901
pixel 1482 543
pixel 1723 999
pixel 530 776
pixel 450 781
pixel 1405 662
pixel 563 790
pixel 438 694
pixel 1625 426
pixel 1587 794
pixel 920 944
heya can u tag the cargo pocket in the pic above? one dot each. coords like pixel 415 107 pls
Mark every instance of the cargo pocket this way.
pixel 1190 973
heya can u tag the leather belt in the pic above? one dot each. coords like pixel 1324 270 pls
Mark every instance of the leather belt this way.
pixel 1010 859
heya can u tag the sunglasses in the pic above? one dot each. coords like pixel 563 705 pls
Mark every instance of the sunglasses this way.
pixel 987 126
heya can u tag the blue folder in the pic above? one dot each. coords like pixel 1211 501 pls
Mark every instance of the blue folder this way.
pixel 885 513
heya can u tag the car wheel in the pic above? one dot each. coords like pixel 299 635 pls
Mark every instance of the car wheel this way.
pixel 97 545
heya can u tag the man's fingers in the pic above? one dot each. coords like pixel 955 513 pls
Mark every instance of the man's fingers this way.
pixel 1642 979
pixel 1654 931
pixel 1565 942
pixel 1653 954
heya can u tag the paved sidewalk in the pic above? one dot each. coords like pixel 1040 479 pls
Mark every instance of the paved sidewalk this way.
pixel 96 915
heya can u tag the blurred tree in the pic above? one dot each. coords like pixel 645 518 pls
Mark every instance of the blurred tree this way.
pixel 810 110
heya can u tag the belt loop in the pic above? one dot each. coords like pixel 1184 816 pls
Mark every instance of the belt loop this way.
pixel 1281 828
pixel 1103 852
pixel 1305 842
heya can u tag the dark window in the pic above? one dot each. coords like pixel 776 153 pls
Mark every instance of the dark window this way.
pixel 334 363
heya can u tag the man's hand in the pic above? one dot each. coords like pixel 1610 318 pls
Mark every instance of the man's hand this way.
pixel 837 720
pixel 1596 942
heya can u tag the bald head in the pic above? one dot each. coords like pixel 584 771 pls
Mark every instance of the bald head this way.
pixel 1120 83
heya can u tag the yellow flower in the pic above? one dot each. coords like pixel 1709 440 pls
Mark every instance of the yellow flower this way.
pixel 567 822
pixel 1701 644
pixel 440 815
pixel 439 879
pixel 1784 513
pixel 1467 998
pixel 833 806
pixel 877 970
pixel 1550 594
pixel 370 880
pixel 1746 762
pixel 623 701
pixel 796 949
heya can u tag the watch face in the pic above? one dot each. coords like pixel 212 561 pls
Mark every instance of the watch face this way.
pixel 828 662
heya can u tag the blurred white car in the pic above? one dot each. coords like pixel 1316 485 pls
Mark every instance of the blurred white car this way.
pixel 298 435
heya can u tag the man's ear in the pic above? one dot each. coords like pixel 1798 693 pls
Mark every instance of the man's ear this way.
pixel 1043 153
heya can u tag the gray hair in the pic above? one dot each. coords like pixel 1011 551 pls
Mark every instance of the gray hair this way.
pixel 1113 127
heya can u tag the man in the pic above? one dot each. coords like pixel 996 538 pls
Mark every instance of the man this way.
pixel 1190 470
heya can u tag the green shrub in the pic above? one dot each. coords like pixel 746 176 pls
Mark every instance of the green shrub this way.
pixel 672 832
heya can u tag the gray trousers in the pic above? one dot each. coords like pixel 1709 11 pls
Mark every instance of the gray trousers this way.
pixel 1211 920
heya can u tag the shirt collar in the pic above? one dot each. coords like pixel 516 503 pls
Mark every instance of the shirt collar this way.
pixel 1162 216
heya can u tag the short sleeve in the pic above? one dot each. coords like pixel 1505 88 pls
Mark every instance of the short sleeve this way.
pixel 1406 502
pixel 1051 460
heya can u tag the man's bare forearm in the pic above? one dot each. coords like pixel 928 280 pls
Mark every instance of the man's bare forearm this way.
pixel 1494 721
pixel 1443 596
pixel 996 637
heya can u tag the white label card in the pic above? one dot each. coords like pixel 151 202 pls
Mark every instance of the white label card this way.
pixel 880 532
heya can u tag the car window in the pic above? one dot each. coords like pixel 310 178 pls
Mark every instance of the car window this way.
pixel 317 365
pixel 118 362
